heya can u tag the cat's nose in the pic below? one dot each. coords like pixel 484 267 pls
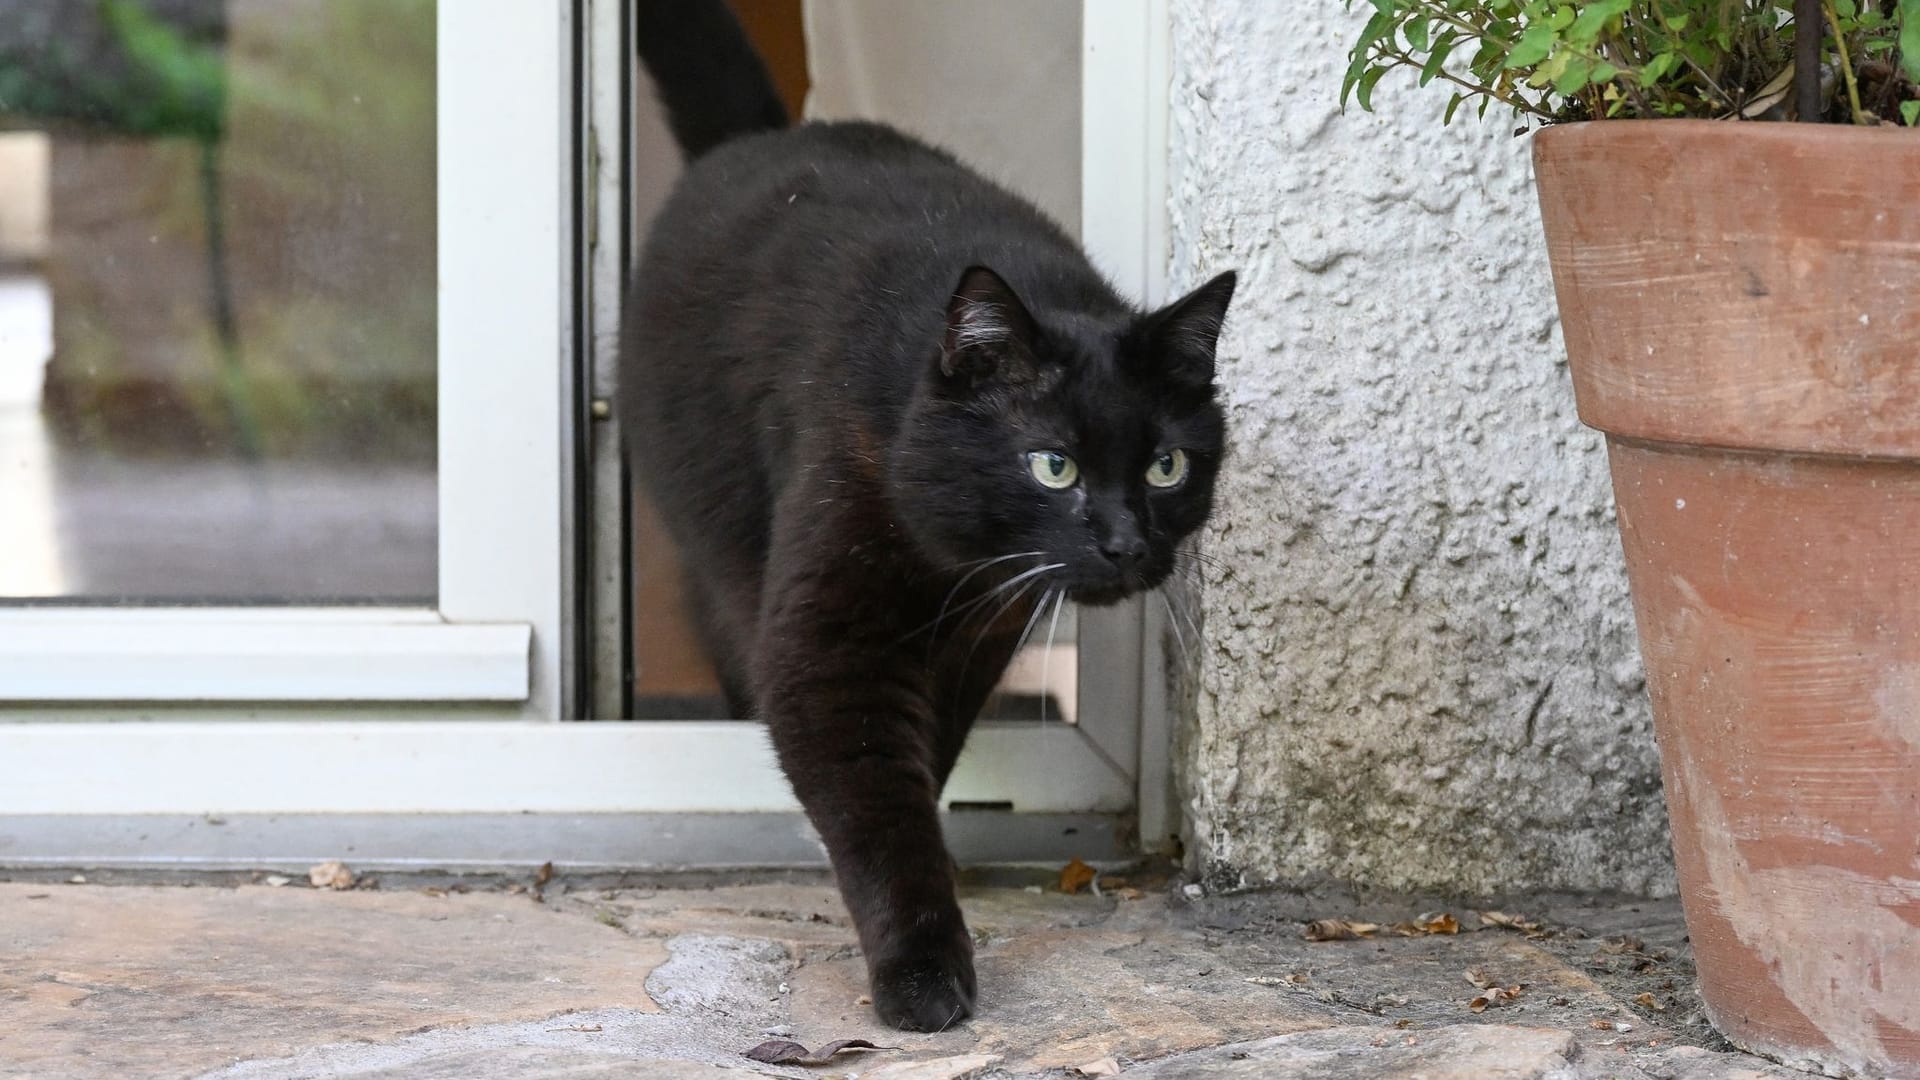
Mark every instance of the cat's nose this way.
pixel 1125 550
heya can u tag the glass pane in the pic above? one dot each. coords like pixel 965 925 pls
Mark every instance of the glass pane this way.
pixel 217 301
pixel 1009 105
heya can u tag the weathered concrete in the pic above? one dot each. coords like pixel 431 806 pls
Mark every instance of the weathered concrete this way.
pixel 1418 667
pixel 255 983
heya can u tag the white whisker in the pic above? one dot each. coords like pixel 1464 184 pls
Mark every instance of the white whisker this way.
pixel 1046 659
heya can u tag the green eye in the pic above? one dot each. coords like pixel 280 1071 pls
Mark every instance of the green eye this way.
pixel 1168 469
pixel 1053 469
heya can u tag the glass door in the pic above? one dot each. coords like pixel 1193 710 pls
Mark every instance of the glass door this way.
pixel 311 530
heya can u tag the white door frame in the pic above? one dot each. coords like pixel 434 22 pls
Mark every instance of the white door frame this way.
pixel 314 732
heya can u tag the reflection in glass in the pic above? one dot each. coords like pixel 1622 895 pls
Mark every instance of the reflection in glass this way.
pixel 217 301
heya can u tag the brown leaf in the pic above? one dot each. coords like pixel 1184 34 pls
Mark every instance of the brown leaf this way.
pixel 1505 921
pixel 1439 922
pixel 1478 978
pixel 1610 1025
pixel 1075 876
pixel 788 1052
pixel 331 875
pixel 1129 893
pixel 1626 944
pixel 543 875
pixel 1651 1002
pixel 1494 996
pixel 1337 930
pixel 1106 1066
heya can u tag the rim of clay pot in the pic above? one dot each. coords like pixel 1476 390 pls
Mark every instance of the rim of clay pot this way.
pixel 1796 246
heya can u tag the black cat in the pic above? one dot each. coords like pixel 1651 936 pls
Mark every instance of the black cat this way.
pixel 887 410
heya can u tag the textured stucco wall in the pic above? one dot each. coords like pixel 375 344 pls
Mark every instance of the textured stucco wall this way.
pixel 1422 672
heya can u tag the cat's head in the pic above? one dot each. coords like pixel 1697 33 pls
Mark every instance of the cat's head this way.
pixel 1084 443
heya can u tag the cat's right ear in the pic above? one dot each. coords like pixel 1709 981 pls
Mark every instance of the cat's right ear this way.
pixel 989 331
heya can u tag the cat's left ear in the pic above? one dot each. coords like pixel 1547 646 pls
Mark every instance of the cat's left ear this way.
pixel 1182 336
pixel 989 331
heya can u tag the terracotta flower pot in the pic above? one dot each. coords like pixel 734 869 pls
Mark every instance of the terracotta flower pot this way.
pixel 1741 304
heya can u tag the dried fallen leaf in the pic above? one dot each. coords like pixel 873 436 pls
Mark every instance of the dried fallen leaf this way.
pixel 1266 980
pixel 788 1052
pixel 1616 946
pixel 1129 893
pixel 543 875
pixel 1075 876
pixel 1106 1066
pixel 1494 996
pixel 332 874
pixel 863 1000
pixel 1651 1002
pixel 276 881
pixel 1478 978
pixel 1440 922
pixel 1609 1025
pixel 1337 930
pixel 1504 921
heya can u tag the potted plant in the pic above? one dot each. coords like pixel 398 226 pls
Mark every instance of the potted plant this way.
pixel 1741 306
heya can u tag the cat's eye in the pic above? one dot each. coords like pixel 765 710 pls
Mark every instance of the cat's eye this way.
pixel 1168 469
pixel 1053 469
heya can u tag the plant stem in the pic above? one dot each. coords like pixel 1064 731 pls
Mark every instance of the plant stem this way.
pixel 1806 59
pixel 1846 63
pixel 1519 104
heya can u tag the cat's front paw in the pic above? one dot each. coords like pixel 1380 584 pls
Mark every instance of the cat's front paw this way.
pixel 925 985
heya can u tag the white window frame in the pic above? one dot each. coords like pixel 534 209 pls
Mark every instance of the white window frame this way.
pixel 504 198
pixel 415 725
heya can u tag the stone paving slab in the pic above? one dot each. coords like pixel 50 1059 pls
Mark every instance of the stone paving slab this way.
pixel 257 983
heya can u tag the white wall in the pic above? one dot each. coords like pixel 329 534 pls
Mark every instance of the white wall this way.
pixel 1422 672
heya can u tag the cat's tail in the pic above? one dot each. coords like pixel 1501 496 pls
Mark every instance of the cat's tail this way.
pixel 712 82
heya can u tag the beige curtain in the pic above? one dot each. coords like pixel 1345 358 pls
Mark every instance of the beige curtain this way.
pixel 997 82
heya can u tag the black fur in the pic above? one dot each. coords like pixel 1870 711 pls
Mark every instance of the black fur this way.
pixel 713 84
pixel 842 347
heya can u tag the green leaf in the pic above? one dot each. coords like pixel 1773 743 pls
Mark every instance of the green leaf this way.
pixel 1677 23
pixel 1487 60
pixel 1657 67
pixel 1354 71
pixel 1365 94
pixel 1910 112
pixel 1381 25
pixel 1910 38
pixel 1438 57
pixel 1533 46
pixel 1562 17
pixel 1595 18
pixel 1455 104
pixel 1604 72
pixel 1416 31
pixel 1573 79
pixel 1551 70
